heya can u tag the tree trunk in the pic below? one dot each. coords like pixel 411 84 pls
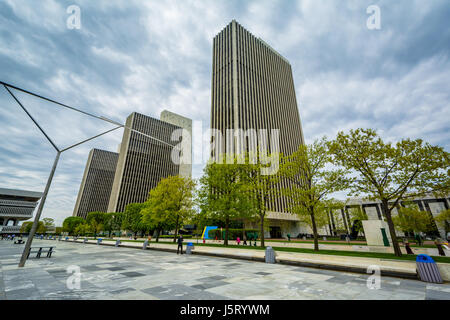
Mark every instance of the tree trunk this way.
pixel 314 227
pixel 387 214
pixel 227 221
pixel 176 230
pixel 157 234
pixel 262 229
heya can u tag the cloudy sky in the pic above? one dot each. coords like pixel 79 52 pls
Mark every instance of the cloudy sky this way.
pixel 147 56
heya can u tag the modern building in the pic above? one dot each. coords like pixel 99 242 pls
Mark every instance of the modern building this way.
pixel 96 185
pixel 15 206
pixel 341 220
pixel 186 140
pixel 253 88
pixel 143 161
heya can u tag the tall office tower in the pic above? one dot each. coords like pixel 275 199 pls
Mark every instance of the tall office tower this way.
pixel 186 143
pixel 143 161
pixel 98 178
pixel 253 88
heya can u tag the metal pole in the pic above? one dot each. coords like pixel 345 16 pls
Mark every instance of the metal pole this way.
pixel 38 214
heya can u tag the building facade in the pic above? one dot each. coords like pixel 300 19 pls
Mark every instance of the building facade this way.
pixel 186 140
pixel 16 206
pixel 96 185
pixel 342 220
pixel 142 161
pixel 253 89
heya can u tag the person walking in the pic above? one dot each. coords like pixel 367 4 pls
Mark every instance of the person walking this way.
pixel 245 240
pixel 407 247
pixel 289 237
pixel 180 244
pixel 238 240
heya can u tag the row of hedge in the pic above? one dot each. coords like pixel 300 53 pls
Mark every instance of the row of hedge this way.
pixel 233 234
pixel 166 236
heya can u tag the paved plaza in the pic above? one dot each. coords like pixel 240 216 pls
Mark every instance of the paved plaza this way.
pixel 125 273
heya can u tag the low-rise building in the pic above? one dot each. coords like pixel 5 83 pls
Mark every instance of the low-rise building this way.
pixel 16 206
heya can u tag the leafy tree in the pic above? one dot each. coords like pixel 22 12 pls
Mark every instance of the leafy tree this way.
pixel 132 218
pixel 390 173
pixel 262 187
pixel 83 229
pixel 443 219
pixel 71 223
pixel 412 220
pixel 312 182
pixel 174 195
pixel 49 222
pixel 26 227
pixel 357 215
pixel 58 230
pixel 113 221
pixel 224 194
pixel 41 228
pixel 96 221
pixel 335 207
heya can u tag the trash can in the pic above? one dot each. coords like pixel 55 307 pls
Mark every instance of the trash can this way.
pixel 270 255
pixel 117 243
pixel 428 269
pixel 67 238
pixel 144 246
pixel 99 240
pixel 85 240
pixel 189 248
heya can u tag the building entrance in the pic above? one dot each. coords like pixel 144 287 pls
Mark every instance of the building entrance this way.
pixel 275 232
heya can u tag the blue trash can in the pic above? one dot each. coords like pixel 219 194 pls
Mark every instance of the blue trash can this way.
pixel 189 248
pixel 428 269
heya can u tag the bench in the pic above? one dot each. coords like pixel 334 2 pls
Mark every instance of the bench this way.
pixel 41 250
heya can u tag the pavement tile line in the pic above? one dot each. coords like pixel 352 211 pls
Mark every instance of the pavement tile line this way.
pixel 157 274
pixel 392 268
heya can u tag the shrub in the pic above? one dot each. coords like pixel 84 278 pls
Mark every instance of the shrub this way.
pixel 233 233
pixel 166 236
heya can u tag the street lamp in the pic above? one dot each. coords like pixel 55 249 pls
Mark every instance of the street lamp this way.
pixel 118 125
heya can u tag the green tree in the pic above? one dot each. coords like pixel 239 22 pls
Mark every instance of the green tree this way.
pixel 49 222
pixel 112 222
pixel 41 228
pixel 312 182
pixel 83 229
pixel 155 215
pixel 390 173
pixel 262 184
pixel 174 195
pixel 71 223
pixel 26 227
pixel 443 219
pixel 96 221
pixel 412 220
pixel 224 194
pixel 132 218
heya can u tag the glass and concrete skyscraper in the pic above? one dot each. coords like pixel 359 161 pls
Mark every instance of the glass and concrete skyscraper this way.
pixel 143 161
pixel 253 88
pixel 98 178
